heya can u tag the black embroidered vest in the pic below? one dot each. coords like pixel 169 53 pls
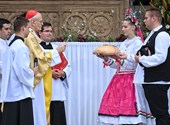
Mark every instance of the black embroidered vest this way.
pixel 160 72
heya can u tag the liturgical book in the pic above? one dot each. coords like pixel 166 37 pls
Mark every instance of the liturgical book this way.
pixel 63 63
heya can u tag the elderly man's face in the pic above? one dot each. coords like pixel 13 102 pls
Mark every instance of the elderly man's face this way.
pixel 38 22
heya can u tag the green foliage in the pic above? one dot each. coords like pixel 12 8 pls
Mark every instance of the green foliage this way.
pixel 76 37
pixel 164 6
pixel 110 39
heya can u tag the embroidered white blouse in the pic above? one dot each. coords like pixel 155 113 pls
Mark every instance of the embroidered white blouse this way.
pixel 129 47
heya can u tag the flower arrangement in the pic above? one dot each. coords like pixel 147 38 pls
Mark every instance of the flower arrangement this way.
pixel 77 37
pixel 163 5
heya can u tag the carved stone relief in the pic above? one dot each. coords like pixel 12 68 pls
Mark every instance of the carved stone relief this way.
pixel 100 18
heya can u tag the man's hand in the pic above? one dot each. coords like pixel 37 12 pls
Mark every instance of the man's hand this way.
pixel 61 48
pixel 137 57
pixel 35 70
pixel 57 73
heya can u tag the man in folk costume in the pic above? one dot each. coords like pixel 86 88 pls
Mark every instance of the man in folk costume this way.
pixel 5 31
pixel 17 77
pixel 60 79
pixel 154 66
pixel 43 80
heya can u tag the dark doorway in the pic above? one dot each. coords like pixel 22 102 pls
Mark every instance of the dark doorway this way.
pixel 144 2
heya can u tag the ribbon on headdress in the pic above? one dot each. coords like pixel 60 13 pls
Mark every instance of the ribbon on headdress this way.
pixel 30 14
pixel 139 33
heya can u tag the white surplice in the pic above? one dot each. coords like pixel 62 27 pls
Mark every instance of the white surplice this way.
pixel 17 77
pixel 3 47
pixel 58 86
pixel 39 101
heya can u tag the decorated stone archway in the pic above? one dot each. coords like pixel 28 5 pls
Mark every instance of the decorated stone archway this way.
pixel 102 17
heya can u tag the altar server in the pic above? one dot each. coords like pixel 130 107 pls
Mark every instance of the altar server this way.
pixel 17 78
pixel 60 81
pixel 5 31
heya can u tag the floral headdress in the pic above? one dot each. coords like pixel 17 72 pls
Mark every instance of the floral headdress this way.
pixel 129 14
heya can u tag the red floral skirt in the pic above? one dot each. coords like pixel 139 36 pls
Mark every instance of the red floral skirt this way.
pixel 119 98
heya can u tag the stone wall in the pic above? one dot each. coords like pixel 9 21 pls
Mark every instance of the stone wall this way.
pixel 102 17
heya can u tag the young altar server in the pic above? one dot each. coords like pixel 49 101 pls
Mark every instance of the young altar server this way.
pixel 5 31
pixel 60 81
pixel 18 79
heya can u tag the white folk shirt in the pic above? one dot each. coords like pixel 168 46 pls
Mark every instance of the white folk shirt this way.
pixel 162 43
pixel 129 47
pixel 17 77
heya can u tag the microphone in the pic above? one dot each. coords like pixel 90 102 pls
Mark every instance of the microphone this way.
pixel 35 62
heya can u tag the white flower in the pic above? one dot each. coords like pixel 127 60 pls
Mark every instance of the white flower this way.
pixel 113 11
pixel 167 26
pixel 147 33
pixel 95 34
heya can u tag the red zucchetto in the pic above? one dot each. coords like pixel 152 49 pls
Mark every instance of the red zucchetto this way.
pixel 30 14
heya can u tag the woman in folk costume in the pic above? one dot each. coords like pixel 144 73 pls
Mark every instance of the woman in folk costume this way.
pixel 43 80
pixel 123 101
